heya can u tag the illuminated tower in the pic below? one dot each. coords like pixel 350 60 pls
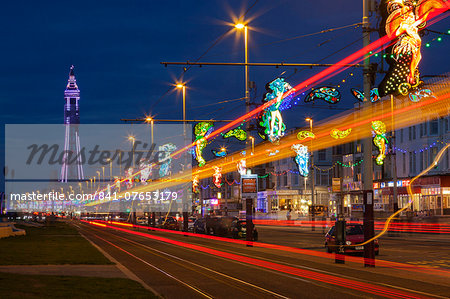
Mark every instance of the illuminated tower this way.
pixel 72 167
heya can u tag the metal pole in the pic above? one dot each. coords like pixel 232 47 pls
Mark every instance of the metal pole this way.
pixel 313 174
pixel 247 92
pixel 151 124
pixel 394 206
pixel 369 253
pixel 185 213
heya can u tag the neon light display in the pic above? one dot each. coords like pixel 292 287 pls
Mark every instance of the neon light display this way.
pixel 165 159
pixel 130 178
pixel 374 95
pixel 328 94
pixel 145 171
pixel 195 183
pixel 221 153
pixel 271 118
pixel 417 95
pixel 242 166
pixel 380 140
pixel 217 176
pixel 201 132
pixel 302 135
pixel 337 134
pixel 402 19
pixel 301 159
pixel 238 133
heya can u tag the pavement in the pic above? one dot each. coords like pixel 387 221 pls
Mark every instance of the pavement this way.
pixel 176 265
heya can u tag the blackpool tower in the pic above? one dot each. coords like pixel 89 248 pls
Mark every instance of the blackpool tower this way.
pixel 72 167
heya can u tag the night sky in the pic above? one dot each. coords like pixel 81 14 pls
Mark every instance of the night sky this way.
pixel 117 47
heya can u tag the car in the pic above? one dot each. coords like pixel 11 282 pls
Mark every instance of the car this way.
pixel 354 235
pixel 199 226
pixel 142 220
pixel 219 225
pixel 239 230
pixel 168 223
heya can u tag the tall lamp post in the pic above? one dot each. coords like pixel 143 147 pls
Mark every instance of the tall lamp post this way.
pixel 242 26
pixel 313 174
pixel 182 86
pixel 150 120
pixel 133 140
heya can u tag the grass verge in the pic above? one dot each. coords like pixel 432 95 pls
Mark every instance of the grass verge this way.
pixel 40 286
pixel 57 244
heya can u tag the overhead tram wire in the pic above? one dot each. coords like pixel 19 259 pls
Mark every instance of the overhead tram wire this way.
pixel 201 56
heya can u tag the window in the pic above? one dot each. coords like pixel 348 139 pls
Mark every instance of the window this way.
pixel 434 127
pixel 433 153
pixel 404 163
pixel 285 180
pixel 414 132
pixel 278 181
pixel 322 155
pixel 295 179
pixel 421 161
pixel 401 135
pixel 410 133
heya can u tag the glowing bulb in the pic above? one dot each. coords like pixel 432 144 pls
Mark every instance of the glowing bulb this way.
pixel 239 26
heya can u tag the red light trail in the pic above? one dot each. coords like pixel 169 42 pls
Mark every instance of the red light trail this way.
pixel 326 278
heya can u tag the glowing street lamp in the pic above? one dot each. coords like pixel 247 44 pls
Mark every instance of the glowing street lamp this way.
pixel 150 120
pixel 312 176
pixel 242 26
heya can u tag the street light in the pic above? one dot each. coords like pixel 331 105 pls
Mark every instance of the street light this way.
pixel 182 86
pixel 132 139
pixel 253 143
pixel 150 120
pixel 240 26
pixel 313 208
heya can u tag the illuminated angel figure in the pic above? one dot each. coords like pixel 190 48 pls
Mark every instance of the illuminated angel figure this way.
pixel 404 18
pixel 217 176
pixel 272 120
pixel 195 183
pixel 380 140
pixel 130 178
pixel 145 171
pixel 165 158
pixel 242 166
pixel 301 159
pixel 201 131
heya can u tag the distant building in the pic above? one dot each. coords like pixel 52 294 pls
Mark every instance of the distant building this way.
pixel 72 168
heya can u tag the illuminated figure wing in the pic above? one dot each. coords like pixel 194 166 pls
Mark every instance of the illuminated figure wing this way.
pixel 302 135
pixel 328 94
pixel 337 134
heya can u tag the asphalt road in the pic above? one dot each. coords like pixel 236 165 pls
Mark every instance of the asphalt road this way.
pixel 178 266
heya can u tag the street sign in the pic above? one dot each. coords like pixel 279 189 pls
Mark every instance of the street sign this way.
pixel 249 185
pixel 336 185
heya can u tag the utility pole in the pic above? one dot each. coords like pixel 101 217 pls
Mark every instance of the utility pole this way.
pixel 369 250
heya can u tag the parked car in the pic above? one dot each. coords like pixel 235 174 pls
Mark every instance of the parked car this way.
pixel 142 220
pixel 354 235
pixel 199 226
pixel 239 230
pixel 170 223
pixel 219 225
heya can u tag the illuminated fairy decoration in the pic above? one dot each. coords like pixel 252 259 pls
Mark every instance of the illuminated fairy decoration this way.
pixel 402 20
pixel 358 94
pixel 195 183
pixel 238 133
pixel 217 176
pixel 242 166
pixel 271 119
pixel 302 135
pixel 117 184
pixel 165 158
pixel 380 140
pixel 222 153
pixel 145 171
pixel 301 159
pixel 328 94
pixel 201 132
pixel 129 177
pixel 338 134
pixel 417 95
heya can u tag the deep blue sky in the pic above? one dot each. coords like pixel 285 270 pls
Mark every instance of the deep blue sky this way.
pixel 116 47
